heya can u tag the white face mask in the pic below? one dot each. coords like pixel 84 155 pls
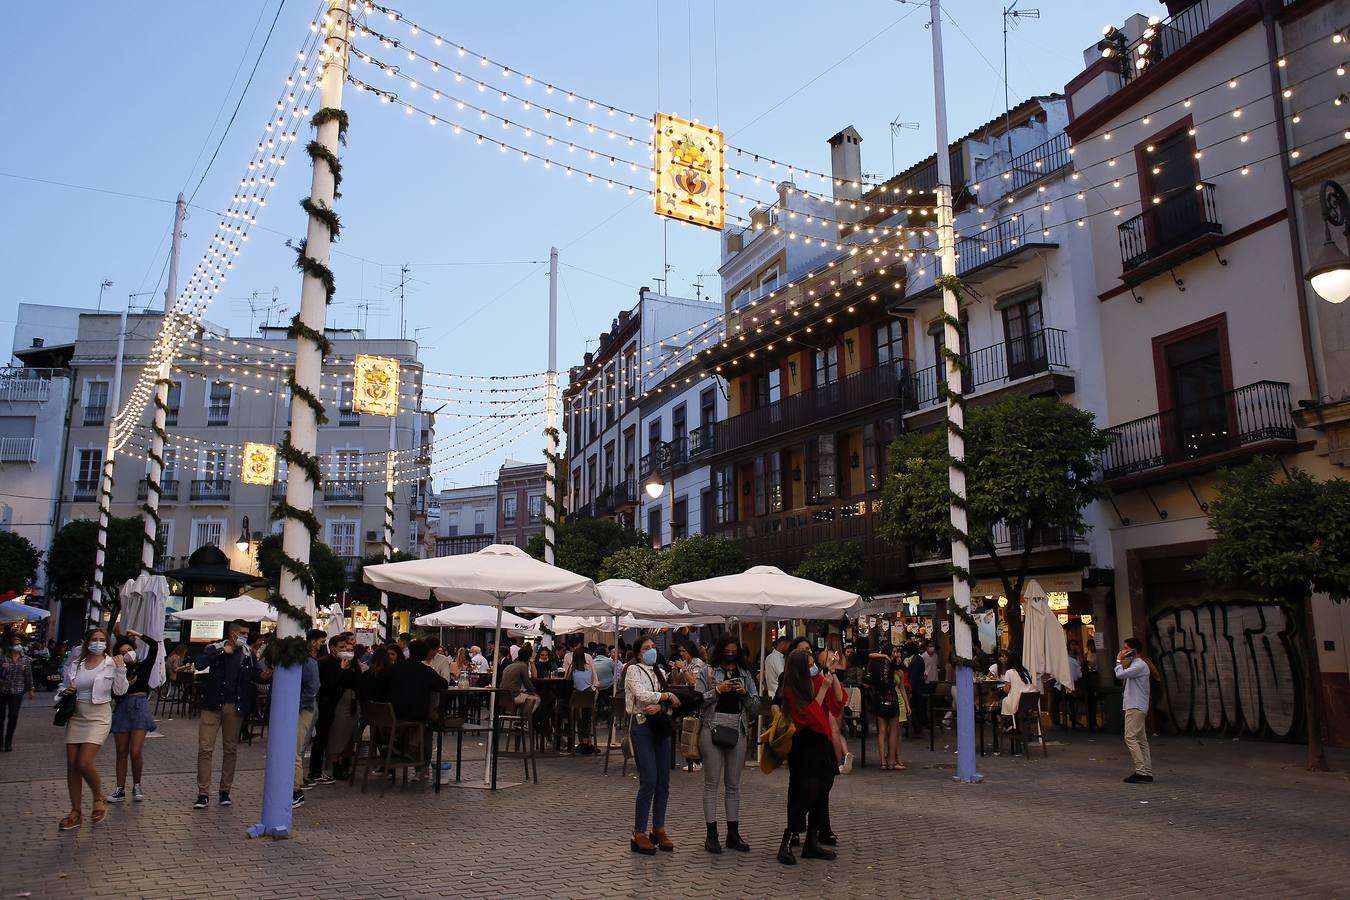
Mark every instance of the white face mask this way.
pixel 130 656
pixel 98 646
pixel 346 654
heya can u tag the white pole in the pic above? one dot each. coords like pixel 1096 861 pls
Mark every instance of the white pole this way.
pixel 295 536
pixel 956 445
pixel 385 617
pixel 105 481
pixel 551 492
pixel 492 697
pixel 154 478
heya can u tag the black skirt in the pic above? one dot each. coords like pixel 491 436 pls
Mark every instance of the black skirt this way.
pixel 811 755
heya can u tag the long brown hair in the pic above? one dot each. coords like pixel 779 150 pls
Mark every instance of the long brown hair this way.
pixel 797 688
pixel 89 636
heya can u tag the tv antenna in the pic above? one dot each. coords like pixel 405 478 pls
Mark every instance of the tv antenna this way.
pixel 896 126
pixel 1012 18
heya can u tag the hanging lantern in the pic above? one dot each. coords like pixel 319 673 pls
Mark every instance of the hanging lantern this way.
pixel 1085 618
pixel 258 463
pixel 690 172
pixel 1058 601
pixel 1064 618
pixel 376 387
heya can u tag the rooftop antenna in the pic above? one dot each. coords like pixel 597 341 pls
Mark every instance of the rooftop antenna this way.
pixel 1012 17
pixel 698 286
pixel 897 125
pixel 103 286
pixel 403 271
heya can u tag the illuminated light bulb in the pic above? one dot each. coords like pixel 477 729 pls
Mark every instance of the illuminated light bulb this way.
pixel 1288 92
pixel 1296 119
pixel 1237 113
pixel 1232 82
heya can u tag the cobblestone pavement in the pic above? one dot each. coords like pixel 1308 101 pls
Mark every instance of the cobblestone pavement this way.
pixel 1224 818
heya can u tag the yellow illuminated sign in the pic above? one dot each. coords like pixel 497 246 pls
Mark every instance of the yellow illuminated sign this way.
pixel 259 463
pixel 690 172
pixel 376 388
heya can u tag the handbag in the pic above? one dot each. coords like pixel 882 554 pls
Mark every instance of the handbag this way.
pixel 65 708
pixel 690 731
pixel 725 736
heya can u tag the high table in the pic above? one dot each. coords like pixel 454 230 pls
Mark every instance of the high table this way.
pixel 466 693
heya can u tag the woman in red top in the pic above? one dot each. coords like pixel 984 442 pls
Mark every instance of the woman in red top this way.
pixel 810 698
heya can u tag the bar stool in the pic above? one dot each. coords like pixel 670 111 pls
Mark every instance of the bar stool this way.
pixel 521 730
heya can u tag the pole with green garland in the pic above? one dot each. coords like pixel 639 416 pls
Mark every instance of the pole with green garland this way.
pixel 295 603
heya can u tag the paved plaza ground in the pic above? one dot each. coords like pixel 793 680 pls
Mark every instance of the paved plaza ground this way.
pixel 1225 818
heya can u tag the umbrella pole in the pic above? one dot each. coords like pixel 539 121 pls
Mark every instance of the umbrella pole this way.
pixel 613 697
pixel 489 775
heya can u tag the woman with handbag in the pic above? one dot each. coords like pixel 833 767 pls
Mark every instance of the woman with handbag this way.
pixel 88 685
pixel 647 698
pixel 729 700
pixel 888 705
pixel 810 697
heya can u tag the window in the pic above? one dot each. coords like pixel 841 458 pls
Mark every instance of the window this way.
pixel 592 416
pixel 95 402
pixel 761 488
pixel 536 507
pixel 724 494
pixel 654 525
pixel 679 526
pixel 347 466
pixel 768 387
pixel 206 532
pixel 630 453
pixel 1023 328
pixel 679 432
pixel 173 402
pixel 705 512
pixel 767 281
pixel 871 459
pixel 775 475
pixel 609 465
pixel 346 415
pixel 342 538
pixel 707 406
pixel 218 403
pixel 590 477
pixel 1195 383
pixel 479 520
pixel 509 511
pixel 170 470
pixel 578 488
pixel 630 373
pixel 576 436
pixel 163 539
pixel 653 434
pixel 611 394
pixel 213 465
pixel 891 339
pixel 827 365
pixel 821 469
pixel 940 341
pixel 88 471
pixel 452 524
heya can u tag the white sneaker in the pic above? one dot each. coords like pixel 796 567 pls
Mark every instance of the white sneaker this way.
pixel 847 767
pixel 136 793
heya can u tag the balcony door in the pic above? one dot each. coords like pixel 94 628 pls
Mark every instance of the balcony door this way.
pixel 1169 174
pixel 1200 422
pixel 1023 328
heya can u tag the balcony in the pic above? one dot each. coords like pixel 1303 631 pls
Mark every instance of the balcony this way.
pixel 349 566
pixel 218 415
pixel 1200 436
pixel 1171 34
pixel 18 449
pixel 278 490
pixel 581 512
pixel 85 490
pixel 604 503
pixel 702 439
pixel 349 417
pixel 20 386
pixel 457 545
pixel 210 490
pixel 1181 225
pixel 168 490
pixel 345 492
pixel 783 540
pixel 809 409
pixel 627 493
pixel 1037 163
pixel 1001 363
pixel 998 243
pixel 95 415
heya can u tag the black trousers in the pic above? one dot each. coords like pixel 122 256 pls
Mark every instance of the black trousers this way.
pixel 9 717
pixel 810 780
pixel 319 748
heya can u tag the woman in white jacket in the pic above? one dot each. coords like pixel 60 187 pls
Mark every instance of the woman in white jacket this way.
pixel 95 678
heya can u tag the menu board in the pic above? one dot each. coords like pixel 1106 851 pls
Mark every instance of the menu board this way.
pixel 208 631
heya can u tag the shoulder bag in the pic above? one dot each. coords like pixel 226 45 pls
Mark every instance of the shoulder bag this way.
pixel 65 708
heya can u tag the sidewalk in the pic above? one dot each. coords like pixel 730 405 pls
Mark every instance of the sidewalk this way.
pixel 1238 819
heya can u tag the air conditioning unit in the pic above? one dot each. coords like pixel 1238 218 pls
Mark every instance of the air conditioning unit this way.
pixel 372 537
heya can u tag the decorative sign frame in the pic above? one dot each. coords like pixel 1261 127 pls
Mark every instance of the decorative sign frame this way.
pixel 690 172
pixel 376 386
pixel 258 463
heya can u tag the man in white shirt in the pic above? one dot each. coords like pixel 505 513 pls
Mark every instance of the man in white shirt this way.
pixel 1134 670
pixel 773 665
pixel 437 660
pixel 930 664
pixel 479 661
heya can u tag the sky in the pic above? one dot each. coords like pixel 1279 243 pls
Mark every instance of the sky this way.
pixel 125 105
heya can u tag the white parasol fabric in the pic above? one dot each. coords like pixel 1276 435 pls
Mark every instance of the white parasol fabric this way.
pixel 14 611
pixel 246 609
pixel 470 615
pixel 1045 650
pixel 144 601
pixel 336 623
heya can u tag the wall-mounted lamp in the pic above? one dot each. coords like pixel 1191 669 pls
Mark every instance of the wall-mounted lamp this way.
pixel 796 473
pixel 848 343
pixel 745 489
pixel 242 544
pixel 792 368
pixel 853 461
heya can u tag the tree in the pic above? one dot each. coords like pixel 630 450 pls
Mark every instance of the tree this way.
pixel 329 573
pixel 369 596
pixel 70 560
pixel 1289 539
pixel 838 564
pixel 581 545
pixel 18 562
pixel 1030 469
pixel 697 557
pixel 634 563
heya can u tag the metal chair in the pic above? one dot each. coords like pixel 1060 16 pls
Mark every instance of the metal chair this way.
pixel 940 703
pixel 1027 724
pixel 403 743
pixel 521 730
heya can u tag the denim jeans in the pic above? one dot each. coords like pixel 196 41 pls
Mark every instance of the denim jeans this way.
pixel 652 755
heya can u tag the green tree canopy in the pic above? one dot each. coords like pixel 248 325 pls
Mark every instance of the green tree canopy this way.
pixel 634 563
pixel 697 557
pixel 1030 469
pixel 329 573
pixel 70 560
pixel 19 561
pixel 838 564
pixel 582 545
pixel 1288 538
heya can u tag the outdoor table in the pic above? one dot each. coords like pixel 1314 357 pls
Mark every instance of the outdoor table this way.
pixel 455 692
pixel 982 687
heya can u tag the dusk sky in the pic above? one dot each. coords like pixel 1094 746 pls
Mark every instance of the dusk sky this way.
pixel 133 99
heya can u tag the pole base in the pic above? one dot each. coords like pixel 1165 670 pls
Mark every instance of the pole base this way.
pixel 977 778
pixel 279 833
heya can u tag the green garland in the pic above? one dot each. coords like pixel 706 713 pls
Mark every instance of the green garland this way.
pixel 294 456
pixel 951 283
pixel 283 652
pixel 316 269
pixel 325 215
pixel 328 114
pixel 305 394
pixel 551 513
pixel 318 151
pixel 284 510
pixel 298 329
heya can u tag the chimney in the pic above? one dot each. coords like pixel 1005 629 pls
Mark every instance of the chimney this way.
pixel 623 318
pixel 37 342
pixel 846 164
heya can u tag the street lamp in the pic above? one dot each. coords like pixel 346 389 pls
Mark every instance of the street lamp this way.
pixel 655 486
pixel 1330 277
pixel 242 543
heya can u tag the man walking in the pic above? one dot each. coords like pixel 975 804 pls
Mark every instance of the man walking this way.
pixel 226 697
pixel 16 679
pixel 1134 670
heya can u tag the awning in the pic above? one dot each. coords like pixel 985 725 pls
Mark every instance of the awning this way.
pixel 1067 582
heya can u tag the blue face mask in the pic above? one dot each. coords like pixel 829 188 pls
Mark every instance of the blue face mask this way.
pixel 649 656
pixel 815 670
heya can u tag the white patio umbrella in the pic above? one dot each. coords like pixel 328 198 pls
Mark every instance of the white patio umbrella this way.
pixel 470 615
pixel 763 592
pixel 144 600
pixel 498 575
pixel 243 608
pixel 14 611
pixel 1045 650
pixel 335 620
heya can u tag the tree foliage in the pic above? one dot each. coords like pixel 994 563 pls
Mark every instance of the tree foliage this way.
pixel 1030 469
pixel 70 560
pixel 1288 539
pixel 697 557
pixel 329 572
pixel 581 545
pixel 634 563
pixel 838 564
pixel 19 561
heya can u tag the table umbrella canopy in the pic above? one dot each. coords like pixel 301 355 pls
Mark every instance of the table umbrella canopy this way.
pixel 144 601
pixel 245 609
pixel 1045 650
pixel 14 611
pixel 470 615
pixel 764 592
pixel 492 577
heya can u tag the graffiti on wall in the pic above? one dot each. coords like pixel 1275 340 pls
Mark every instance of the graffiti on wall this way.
pixel 1229 667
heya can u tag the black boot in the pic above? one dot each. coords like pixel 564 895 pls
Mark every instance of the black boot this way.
pixel 796 839
pixel 711 844
pixel 812 849
pixel 827 837
pixel 785 849
pixel 734 841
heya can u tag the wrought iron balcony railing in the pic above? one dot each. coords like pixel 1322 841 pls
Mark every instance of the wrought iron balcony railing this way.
pixel 1175 221
pixel 1039 351
pixel 210 490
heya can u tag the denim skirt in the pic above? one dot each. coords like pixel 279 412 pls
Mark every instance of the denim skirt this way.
pixel 132 714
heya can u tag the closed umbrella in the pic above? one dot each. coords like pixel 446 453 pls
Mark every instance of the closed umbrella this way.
pixel 335 620
pixel 243 608
pixel 498 575
pixel 1045 650
pixel 144 601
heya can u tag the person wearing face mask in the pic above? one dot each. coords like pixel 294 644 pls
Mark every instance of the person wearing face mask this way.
pixel 339 679
pixel 809 698
pixel 309 690
pixel 16 679
pixel 648 700
pixel 729 697
pixel 94 678
pixel 226 696
pixel 132 720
